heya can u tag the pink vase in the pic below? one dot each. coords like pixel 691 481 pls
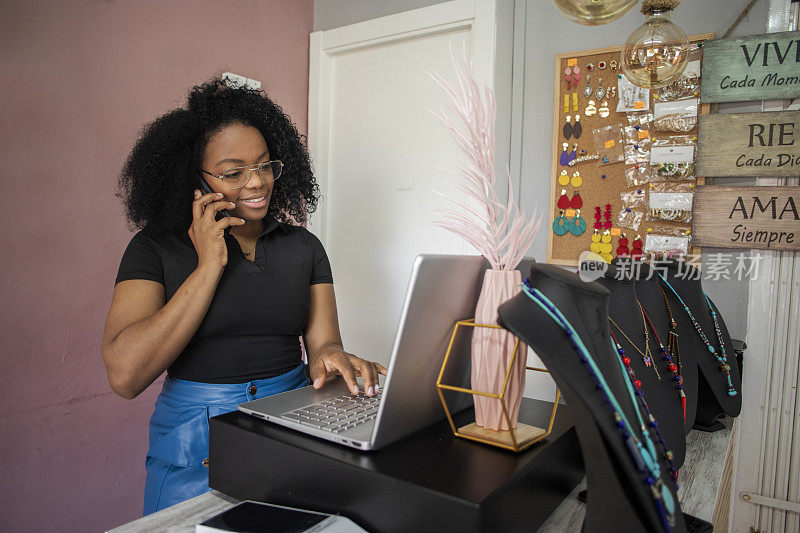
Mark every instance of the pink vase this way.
pixel 492 350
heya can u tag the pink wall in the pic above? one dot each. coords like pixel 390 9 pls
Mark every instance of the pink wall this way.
pixel 79 79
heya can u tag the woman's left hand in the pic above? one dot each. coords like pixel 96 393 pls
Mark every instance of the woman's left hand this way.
pixel 334 361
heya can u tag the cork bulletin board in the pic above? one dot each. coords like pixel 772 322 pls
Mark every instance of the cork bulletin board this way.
pixel 600 184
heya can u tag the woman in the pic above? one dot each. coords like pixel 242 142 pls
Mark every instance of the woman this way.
pixel 219 302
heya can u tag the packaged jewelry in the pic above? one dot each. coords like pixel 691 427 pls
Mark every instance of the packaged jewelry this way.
pixel 673 172
pixel 677 116
pixel 670 206
pixel 638 175
pixel 638 134
pixel 675 231
pixel 655 243
pixel 629 218
pixel 676 149
pixel 631 97
pixel 640 118
pixel 688 84
pixel 637 154
pixel 634 198
pixel 665 186
pixel 609 143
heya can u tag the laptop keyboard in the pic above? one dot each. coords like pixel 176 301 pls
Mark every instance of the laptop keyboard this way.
pixel 338 414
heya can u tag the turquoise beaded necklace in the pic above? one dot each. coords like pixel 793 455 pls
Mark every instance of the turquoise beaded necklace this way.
pixel 721 356
pixel 639 444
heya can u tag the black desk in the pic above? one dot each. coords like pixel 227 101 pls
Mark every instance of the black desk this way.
pixel 429 481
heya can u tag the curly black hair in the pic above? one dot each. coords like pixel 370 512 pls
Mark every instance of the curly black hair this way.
pixel 160 175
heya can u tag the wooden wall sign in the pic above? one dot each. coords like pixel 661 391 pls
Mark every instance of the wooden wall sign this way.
pixel 757 67
pixel 749 144
pixel 746 217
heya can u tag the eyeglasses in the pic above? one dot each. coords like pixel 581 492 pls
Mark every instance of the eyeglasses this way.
pixel 236 178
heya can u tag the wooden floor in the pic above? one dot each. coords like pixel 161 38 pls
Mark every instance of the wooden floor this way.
pixel 699 479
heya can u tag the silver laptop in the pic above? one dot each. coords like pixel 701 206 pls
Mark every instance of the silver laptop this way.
pixel 442 290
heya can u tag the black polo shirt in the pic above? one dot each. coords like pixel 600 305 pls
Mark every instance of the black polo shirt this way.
pixel 260 308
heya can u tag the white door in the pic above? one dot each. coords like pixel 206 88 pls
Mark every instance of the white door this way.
pixel 376 148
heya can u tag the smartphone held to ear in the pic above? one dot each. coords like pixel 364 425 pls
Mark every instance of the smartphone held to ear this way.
pixel 206 188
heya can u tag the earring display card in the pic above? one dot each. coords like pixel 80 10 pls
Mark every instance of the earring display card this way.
pixel 621 151
pixel 631 97
pixel 665 243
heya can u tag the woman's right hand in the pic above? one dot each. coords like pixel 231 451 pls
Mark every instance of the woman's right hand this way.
pixel 207 233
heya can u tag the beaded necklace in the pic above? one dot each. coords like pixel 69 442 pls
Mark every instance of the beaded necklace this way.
pixel 625 360
pixel 671 366
pixel 647 356
pixel 640 446
pixel 720 356
pixel 672 342
pixel 640 394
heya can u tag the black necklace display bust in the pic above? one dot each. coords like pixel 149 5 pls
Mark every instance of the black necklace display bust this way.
pixel 713 398
pixel 619 496
pixel 652 296
pixel 627 289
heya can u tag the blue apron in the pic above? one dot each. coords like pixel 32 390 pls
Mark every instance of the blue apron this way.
pixel 177 461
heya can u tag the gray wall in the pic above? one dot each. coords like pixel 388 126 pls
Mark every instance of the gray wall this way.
pixel 334 13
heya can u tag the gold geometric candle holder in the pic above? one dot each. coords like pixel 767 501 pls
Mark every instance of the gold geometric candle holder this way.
pixel 517 439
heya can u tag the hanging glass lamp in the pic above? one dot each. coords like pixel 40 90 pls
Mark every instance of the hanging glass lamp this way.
pixel 657 52
pixel 593 12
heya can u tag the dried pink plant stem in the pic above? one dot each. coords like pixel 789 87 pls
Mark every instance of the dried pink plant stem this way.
pixel 500 232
